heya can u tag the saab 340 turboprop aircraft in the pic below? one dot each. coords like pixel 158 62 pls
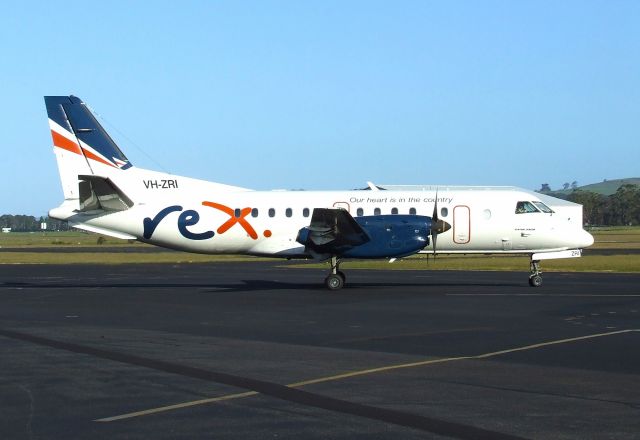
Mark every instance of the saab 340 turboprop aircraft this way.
pixel 106 194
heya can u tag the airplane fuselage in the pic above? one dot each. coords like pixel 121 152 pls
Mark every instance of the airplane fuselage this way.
pixel 483 220
pixel 105 193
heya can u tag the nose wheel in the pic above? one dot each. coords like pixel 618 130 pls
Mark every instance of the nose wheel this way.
pixel 335 280
pixel 535 276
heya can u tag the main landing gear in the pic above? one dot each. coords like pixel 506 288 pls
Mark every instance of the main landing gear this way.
pixel 335 280
pixel 535 276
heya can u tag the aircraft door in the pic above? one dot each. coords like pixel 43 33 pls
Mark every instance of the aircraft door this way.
pixel 461 224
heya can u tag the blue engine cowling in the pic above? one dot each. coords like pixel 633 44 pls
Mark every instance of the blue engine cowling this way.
pixel 392 236
pixel 388 236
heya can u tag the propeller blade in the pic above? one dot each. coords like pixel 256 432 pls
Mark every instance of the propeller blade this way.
pixel 435 208
pixel 434 238
pixel 437 226
pixel 434 224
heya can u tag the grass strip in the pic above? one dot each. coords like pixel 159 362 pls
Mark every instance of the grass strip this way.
pixel 116 258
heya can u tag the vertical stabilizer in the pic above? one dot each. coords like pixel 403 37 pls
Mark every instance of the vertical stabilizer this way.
pixel 81 145
pixel 71 161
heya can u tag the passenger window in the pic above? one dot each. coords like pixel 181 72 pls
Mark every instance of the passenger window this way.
pixel 305 212
pixel 288 212
pixel 237 212
pixel 412 211
pixel 254 212
pixel 272 212
pixel 525 208
pixel 394 211
pixel 376 211
pixel 360 212
pixel 444 212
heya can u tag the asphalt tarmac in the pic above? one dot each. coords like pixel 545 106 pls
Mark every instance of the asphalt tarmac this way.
pixel 261 350
pixel 156 249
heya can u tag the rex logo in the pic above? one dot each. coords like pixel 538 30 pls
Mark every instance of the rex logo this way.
pixel 191 217
pixel 233 219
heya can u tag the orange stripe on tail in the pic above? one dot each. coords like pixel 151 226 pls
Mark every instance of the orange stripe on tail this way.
pixel 89 155
pixel 64 143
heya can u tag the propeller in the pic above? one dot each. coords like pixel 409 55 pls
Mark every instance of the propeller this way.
pixel 437 226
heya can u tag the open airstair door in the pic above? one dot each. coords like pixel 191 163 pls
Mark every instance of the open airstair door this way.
pixel 100 193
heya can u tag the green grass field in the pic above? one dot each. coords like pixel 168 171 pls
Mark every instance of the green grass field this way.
pixel 54 240
pixel 15 248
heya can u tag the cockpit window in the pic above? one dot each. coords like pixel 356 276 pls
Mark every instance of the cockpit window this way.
pixel 525 208
pixel 542 207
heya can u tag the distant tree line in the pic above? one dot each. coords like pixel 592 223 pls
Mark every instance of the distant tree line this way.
pixel 619 209
pixel 29 223
pixel 545 188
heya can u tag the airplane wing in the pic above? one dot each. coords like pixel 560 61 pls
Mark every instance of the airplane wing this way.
pixel 332 231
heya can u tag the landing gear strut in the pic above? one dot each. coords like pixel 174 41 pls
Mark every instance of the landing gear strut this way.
pixel 335 280
pixel 535 277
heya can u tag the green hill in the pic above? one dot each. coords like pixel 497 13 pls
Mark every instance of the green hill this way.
pixel 606 188
pixel 609 187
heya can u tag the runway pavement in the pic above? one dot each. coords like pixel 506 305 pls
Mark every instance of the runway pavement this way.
pixel 262 350
pixel 138 249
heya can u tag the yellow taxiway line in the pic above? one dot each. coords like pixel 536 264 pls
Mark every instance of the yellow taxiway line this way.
pixel 362 373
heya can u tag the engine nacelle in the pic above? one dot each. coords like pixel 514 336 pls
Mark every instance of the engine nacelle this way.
pixel 388 236
pixel 392 236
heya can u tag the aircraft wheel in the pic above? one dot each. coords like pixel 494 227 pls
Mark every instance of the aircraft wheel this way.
pixel 343 276
pixel 535 281
pixel 334 282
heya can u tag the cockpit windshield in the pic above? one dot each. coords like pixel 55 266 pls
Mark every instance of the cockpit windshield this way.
pixel 525 208
pixel 542 207
pixel 529 207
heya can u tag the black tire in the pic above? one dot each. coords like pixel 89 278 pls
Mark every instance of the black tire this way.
pixel 334 282
pixel 344 277
pixel 535 281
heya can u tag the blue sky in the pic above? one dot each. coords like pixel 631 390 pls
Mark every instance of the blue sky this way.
pixel 328 95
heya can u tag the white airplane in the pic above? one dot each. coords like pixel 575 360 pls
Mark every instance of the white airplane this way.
pixel 104 193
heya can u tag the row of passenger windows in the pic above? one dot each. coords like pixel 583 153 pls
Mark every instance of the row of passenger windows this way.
pixel 378 211
pixel 272 212
pixel 521 208
pixel 306 212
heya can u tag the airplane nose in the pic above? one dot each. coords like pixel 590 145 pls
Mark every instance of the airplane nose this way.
pixel 585 239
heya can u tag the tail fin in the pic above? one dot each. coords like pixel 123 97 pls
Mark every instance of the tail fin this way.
pixel 81 145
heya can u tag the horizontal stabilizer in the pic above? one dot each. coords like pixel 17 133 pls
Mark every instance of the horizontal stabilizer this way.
pixel 102 231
